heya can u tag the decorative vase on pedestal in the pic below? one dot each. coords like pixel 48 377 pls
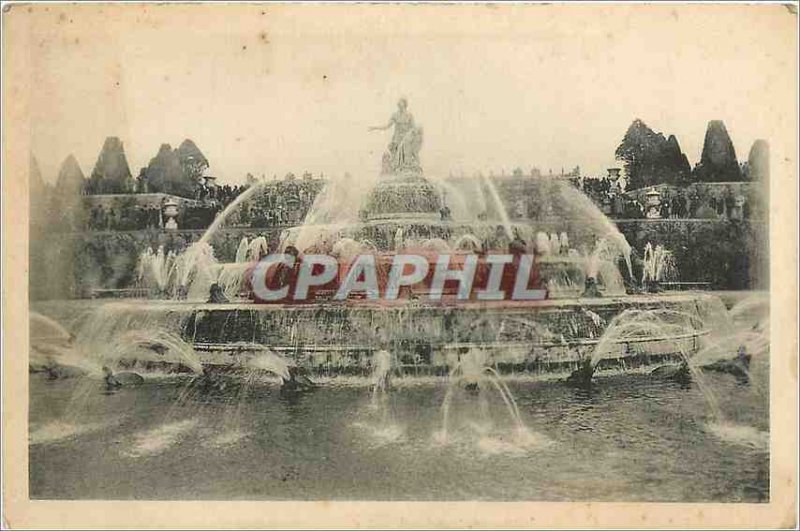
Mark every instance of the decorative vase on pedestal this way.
pixel 170 210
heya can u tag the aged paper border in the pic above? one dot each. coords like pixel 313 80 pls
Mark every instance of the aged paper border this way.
pixel 19 512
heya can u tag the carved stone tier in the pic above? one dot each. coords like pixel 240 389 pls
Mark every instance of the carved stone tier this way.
pixel 408 195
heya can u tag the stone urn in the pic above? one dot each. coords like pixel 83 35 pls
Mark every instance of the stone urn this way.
pixel 170 212
pixel 652 204
pixel 737 212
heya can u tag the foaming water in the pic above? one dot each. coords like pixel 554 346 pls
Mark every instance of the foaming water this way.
pixel 675 333
pixel 455 198
pixel 381 374
pixel 381 434
pixel 378 421
pixel 187 275
pixel 160 439
pixel 154 270
pixel 55 357
pixel 195 270
pixel 520 441
pixel 600 264
pixel 748 436
pixel 231 278
pixel 480 439
pixel 752 313
pixel 257 249
pixel 269 361
pixel 335 208
pixel 726 347
pixel 227 438
pixel 242 251
pixel 59 430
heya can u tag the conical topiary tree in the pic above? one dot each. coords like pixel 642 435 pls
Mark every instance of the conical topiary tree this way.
pixel 718 161
pixel 111 174
pixel 67 201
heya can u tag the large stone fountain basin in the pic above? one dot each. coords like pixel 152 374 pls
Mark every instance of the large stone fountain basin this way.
pixel 533 337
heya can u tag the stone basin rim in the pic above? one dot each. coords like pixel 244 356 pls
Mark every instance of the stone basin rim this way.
pixel 422 303
pixel 241 347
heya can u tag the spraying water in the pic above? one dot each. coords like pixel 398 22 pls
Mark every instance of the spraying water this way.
pixel 243 250
pixel 661 330
pixel 257 249
pixel 151 345
pixel 269 361
pixel 121 332
pixel 43 328
pixel 674 332
pixel 499 206
pixel 472 372
pixel 195 270
pixel 232 207
pixel 382 366
pixel 659 264
pixel 580 206
pixel 154 269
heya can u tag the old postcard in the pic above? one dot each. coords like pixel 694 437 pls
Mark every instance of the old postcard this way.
pixel 383 265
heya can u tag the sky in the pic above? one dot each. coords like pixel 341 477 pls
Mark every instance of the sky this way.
pixel 274 89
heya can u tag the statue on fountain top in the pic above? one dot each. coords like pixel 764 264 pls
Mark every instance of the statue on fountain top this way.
pixel 402 154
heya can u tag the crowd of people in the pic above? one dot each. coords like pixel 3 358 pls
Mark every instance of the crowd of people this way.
pixel 279 203
pixel 224 195
pixel 689 202
pixel 128 217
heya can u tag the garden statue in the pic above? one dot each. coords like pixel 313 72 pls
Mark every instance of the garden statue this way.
pixel 402 153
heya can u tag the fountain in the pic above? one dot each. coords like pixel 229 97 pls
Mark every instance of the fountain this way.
pixel 473 374
pixel 473 379
pixel 381 376
pixel 445 381
pixel 574 251
pixel 659 266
